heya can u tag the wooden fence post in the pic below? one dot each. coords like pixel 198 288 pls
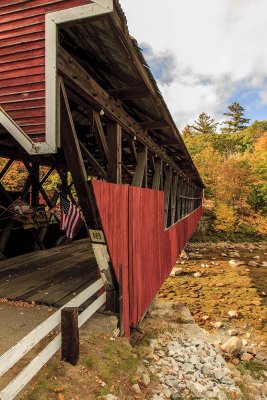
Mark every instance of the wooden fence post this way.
pixel 70 348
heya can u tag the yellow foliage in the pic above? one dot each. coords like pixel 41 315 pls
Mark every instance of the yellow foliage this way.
pixel 226 218
pixel 257 222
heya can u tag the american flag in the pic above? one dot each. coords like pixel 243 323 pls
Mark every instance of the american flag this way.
pixel 70 217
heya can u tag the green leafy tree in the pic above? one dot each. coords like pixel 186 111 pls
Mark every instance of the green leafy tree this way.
pixel 187 132
pixel 237 121
pixel 204 124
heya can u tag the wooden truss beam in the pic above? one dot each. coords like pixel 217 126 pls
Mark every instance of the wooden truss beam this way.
pixel 174 198
pixel 6 167
pixel 155 125
pixel 157 174
pixel 91 159
pixel 167 192
pixel 129 93
pixel 88 88
pixel 36 183
pixel 139 174
pixel 75 161
pixel 114 160
pixel 100 136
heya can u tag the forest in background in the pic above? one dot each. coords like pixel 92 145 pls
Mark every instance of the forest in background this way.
pixel 232 160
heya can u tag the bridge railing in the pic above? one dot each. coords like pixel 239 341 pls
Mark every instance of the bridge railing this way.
pixel 17 352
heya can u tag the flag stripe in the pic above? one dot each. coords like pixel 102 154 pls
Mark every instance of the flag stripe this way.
pixel 70 217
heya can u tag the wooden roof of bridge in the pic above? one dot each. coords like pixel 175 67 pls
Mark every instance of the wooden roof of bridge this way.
pixel 107 52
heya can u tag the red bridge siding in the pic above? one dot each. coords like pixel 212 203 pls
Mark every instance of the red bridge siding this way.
pixel 22 60
pixel 133 223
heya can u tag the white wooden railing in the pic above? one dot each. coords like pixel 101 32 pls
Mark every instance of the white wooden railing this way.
pixel 17 352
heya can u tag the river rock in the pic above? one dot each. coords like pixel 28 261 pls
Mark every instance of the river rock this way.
pixel 196 388
pixel 146 379
pixel 110 397
pixel 136 388
pixel 176 271
pixel 246 357
pixel 256 258
pixel 233 313
pixel 236 263
pixel 232 346
pixel 234 254
pixel 176 396
pixel 253 264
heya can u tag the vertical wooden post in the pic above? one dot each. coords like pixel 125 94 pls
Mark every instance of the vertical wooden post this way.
pixel 114 157
pixel 70 348
pixel 167 189
pixel 183 195
pixel 178 217
pixel 157 174
pixel 35 184
pixel 141 166
pixel 174 198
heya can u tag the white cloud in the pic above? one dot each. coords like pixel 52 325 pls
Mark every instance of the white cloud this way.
pixel 211 48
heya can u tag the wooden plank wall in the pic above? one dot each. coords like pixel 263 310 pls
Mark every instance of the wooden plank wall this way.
pixel 112 201
pixel 22 60
pixel 133 222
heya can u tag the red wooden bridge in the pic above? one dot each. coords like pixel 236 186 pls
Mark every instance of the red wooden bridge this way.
pixel 77 100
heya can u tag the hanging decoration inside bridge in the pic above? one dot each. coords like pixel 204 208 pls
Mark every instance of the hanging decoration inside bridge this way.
pixel 70 217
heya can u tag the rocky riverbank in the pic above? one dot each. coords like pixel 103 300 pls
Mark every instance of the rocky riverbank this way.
pixel 225 286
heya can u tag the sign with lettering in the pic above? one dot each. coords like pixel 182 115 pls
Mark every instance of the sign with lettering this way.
pixel 97 236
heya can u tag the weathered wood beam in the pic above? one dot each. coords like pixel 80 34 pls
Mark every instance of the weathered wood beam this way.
pixel 114 160
pixel 174 198
pixel 157 174
pixel 6 167
pixel 91 159
pixel 47 175
pixel 36 183
pixel 154 125
pixel 65 187
pixel 75 161
pixel 140 168
pixel 70 343
pixel 179 188
pixel 88 88
pixel 100 136
pixel 167 191
pixel 132 147
pixel 129 93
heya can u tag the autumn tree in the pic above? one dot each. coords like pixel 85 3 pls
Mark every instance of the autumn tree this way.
pixel 204 124
pixel 236 121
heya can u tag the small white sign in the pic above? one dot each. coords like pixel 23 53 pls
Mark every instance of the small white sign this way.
pixel 97 236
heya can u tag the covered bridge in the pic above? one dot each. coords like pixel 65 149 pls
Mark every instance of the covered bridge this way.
pixel 78 99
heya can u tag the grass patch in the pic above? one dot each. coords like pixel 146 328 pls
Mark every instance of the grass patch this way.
pixel 88 362
pixel 255 368
pixel 43 389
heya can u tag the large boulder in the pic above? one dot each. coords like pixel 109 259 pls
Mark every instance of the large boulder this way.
pixel 232 346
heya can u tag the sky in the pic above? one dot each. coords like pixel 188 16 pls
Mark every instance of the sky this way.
pixel 204 54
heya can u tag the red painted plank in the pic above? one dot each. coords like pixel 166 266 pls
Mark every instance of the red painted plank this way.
pixel 44 8
pixel 24 95
pixel 38 112
pixel 24 64
pixel 136 238
pixel 24 55
pixel 24 30
pixel 22 58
